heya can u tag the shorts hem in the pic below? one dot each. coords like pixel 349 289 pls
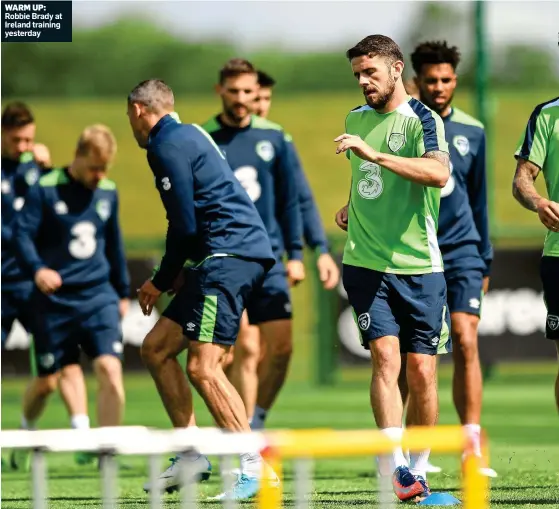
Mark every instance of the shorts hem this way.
pixel 469 311
pixel 422 350
pixel 265 319
pixel 365 342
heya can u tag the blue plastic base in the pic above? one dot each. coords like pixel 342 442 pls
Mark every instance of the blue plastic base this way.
pixel 440 499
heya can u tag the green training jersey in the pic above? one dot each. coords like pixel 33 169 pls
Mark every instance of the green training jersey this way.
pixel 540 145
pixel 392 222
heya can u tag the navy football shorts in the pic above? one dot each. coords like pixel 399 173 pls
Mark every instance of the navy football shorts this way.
pixel 412 308
pixel 70 321
pixel 211 302
pixel 272 300
pixel 465 290
pixel 549 271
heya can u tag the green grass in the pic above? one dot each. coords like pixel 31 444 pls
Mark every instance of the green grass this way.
pixel 519 416
pixel 313 119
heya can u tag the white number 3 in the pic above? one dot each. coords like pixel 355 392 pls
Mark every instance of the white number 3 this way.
pixel 85 243
pixel 248 177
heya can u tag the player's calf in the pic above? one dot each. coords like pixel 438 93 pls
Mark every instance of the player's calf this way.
pixel 273 369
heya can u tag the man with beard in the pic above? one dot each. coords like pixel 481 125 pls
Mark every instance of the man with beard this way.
pixel 260 154
pixel 463 231
pixel 393 271
pixel 243 367
pixel 538 151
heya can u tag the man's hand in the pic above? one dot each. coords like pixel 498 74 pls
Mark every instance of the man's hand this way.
pixel 356 145
pixel 548 212
pixel 328 271
pixel 123 307
pixel 485 286
pixel 147 297
pixel 295 272
pixel 341 218
pixel 48 280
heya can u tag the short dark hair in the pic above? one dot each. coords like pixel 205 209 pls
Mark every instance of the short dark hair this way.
pixel 434 52
pixel 235 67
pixel 376 45
pixel 155 94
pixel 265 80
pixel 16 114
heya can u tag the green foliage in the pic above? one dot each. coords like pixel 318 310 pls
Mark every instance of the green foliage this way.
pixel 110 60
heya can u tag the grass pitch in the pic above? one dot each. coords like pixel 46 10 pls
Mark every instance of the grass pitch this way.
pixel 519 416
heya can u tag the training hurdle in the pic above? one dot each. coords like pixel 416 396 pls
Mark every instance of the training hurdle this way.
pixel 301 446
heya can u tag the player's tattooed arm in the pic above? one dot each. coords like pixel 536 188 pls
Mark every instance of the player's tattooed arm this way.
pixel 523 188
pixel 442 157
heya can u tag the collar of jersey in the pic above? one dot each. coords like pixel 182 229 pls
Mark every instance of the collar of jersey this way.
pixel 163 121
pixel 449 116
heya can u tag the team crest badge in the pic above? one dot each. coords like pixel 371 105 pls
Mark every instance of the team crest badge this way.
pixel 461 144
pixel 47 360
pixel 364 321
pixel 32 176
pixel 265 150
pixel 6 187
pixel 103 209
pixel 553 322
pixel 60 208
pixel 396 141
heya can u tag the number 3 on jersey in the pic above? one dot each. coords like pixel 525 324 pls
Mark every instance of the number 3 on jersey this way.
pixel 84 244
pixel 371 186
pixel 248 178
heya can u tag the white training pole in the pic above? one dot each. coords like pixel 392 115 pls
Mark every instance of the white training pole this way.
pixel 188 484
pixel 108 476
pixel 386 496
pixel 303 483
pixel 155 493
pixel 39 479
pixel 226 465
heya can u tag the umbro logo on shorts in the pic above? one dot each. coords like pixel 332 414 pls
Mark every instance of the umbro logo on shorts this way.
pixel 475 303
pixel 553 322
pixel 190 327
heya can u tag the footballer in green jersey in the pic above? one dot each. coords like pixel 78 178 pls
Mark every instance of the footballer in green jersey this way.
pixel 393 270
pixel 538 150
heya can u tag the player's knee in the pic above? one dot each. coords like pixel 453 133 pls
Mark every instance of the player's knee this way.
pixel 248 349
pixel 281 351
pixel 464 338
pixel 153 351
pixel 385 357
pixel 109 374
pixel 46 385
pixel 200 372
pixel 277 336
pixel 421 372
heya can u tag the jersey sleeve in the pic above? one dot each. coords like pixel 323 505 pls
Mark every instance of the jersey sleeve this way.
pixel 533 144
pixel 313 229
pixel 26 227
pixel 114 251
pixel 429 134
pixel 477 194
pixel 288 211
pixel 175 182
